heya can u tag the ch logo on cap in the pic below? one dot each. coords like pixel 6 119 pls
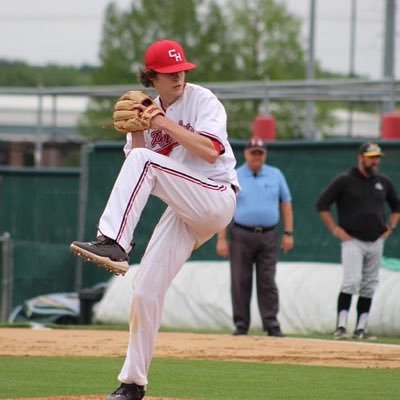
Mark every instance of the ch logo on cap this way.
pixel 175 54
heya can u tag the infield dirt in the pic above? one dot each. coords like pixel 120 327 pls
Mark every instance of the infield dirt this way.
pixel 56 342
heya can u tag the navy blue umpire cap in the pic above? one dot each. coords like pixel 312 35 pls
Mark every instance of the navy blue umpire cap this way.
pixel 256 144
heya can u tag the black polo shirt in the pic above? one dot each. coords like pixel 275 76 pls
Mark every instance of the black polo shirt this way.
pixel 360 203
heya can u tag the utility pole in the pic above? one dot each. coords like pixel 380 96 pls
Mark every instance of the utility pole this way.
pixel 389 51
pixel 352 58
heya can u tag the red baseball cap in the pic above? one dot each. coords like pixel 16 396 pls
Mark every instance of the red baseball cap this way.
pixel 166 57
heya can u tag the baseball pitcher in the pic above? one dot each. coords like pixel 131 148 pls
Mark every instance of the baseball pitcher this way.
pixel 177 149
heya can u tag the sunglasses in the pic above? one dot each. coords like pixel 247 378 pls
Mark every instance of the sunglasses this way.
pixel 257 152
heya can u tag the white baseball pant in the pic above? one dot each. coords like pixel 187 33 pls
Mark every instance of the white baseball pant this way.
pixel 361 263
pixel 197 209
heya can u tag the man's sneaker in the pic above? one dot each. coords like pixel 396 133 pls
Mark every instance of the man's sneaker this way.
pixel 240 332
pixel 275 331
pixel 340 333
pixel 127 391
pixel 105 252
pixel 360 334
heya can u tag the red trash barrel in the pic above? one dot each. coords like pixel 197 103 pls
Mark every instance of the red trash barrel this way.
pixel 390 128
pixel 264 127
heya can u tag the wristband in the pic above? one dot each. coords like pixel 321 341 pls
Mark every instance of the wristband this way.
pixel 288 233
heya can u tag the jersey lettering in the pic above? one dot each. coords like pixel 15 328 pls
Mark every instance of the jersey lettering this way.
pixel 187 126
pixel 160 139
pixel 162 143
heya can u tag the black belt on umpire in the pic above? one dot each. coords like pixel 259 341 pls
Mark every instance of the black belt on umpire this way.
pixel 255 229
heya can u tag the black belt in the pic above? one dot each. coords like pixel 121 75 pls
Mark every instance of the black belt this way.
pixel 256 229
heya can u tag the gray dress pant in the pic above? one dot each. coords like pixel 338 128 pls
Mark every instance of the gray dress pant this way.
pixel 246 250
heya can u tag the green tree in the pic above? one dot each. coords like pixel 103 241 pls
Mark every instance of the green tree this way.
pixel 115 67
pixel 268 39
pixel 268 47
pixel 126 36
pixel 229 40
pixel 215 51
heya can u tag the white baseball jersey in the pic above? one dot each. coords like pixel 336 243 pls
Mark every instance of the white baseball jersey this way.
pixel 199 111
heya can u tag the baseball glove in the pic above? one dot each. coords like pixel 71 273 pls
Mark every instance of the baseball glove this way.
pixel 129 119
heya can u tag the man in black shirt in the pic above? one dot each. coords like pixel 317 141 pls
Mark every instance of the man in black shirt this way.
pixel 360 196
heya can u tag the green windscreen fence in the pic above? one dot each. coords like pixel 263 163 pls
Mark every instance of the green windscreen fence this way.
pixel 104 161
pixel 39 210
pixel 45 210
pixel 308 167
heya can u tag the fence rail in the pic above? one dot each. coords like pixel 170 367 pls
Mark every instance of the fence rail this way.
pixel 352 90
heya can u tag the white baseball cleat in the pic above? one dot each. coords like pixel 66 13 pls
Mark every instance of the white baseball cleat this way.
pixel 340 333
pixel 360 334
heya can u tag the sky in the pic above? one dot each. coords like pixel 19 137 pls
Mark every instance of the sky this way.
pixel 69 32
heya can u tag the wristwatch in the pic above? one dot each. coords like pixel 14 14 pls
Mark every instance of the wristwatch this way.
pixel 392 227
pixel 288 233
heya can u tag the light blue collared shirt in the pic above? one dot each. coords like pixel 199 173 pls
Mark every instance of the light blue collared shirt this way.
pixel 258 202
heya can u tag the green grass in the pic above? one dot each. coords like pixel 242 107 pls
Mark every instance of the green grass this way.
pixel 200 380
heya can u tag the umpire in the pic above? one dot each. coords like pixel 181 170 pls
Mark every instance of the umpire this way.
pixel 255 239
pixel 360 195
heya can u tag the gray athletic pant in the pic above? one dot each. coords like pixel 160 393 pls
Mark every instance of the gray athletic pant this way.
pixel 361 263
pixel 246 249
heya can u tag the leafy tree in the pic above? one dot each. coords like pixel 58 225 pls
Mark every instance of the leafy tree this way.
pixel 114 54
pixel 268 47
pixel 126 36
pixel 116 68
pixel 268 39
pixel 215 51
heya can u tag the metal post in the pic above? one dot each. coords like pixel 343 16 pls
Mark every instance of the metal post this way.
pixel 7 276
pixel 54 115
pixel 310 131
pixel 83 198
pixel 264 105
pixel 39 130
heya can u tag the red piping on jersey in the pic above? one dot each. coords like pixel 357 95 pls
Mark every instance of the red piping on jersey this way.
pixel 167 150
pixel 179 174
pixel 214 138
pixel 218 146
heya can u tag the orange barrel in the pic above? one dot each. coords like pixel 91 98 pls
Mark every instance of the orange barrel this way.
pixel 390 128
pixel 264 127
